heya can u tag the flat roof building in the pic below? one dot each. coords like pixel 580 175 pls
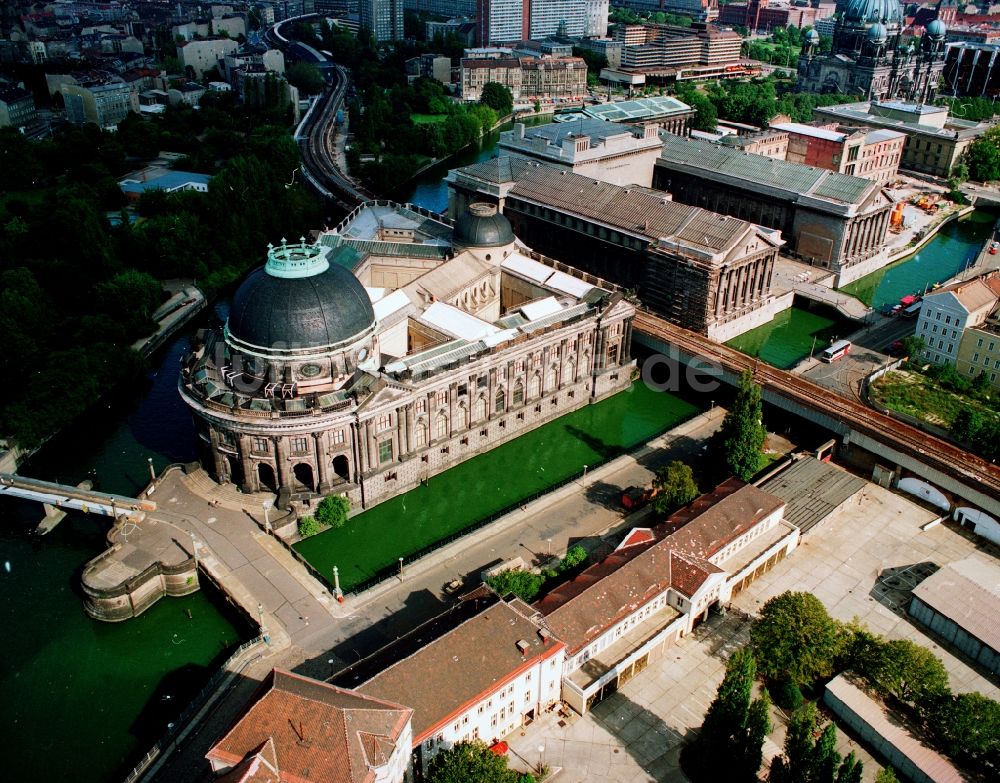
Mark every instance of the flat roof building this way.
pixel 611 152
pixel 830 220
pixel 662 111
pixel 935 141
pixel 701 270
pixel 859 152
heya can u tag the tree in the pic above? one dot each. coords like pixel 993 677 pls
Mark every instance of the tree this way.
pixel 906 671
pixel 886 775
pixel 968 728
pixel 332 510
pixel 967 424
pixel 809 760
pixel 470 762
pixel 575 556
pixel 676 486
pixel 306 77
pixel 914 347
pixel 524 584
pixel 497 97
pixel 742 433
pixel 729 745
pixel 983 157
pixel 795 639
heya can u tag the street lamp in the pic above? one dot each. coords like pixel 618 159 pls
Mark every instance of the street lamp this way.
pixel 584 473
pixel 266 505
pixel 541 757
pixel 263 629
pixel 152 471
pixel 337 593
pixel 400 569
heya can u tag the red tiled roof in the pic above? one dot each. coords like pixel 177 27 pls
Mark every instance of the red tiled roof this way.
pixel 450 674
pixel 318 732
pixel 606 592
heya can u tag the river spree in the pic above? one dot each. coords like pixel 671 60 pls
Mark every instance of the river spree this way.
pixel 83 699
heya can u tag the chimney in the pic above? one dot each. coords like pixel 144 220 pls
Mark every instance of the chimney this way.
pixel 543 634
pixel 523 646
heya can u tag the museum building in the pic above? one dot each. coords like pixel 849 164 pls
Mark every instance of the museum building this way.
pixel 394 347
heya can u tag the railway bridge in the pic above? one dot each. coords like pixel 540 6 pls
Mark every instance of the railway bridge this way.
pixel 891 441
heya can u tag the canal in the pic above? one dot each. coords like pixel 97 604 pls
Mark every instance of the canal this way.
pixel 83 699
pixel 790 337
pixel 947 254
pixel 489 483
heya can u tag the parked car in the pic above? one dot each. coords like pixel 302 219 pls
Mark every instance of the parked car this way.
pixel 636 497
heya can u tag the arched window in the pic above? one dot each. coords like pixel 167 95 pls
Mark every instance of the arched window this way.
pixel 500 402
pixel 550 378
pixel 441 426
pixel 480 409
pixel 518 395
pixel 420 435
pixel 534 386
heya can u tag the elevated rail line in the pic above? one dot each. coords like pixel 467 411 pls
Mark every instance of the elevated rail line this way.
pixel 932 458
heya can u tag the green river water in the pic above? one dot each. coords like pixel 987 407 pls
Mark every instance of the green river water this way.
pixel 483 485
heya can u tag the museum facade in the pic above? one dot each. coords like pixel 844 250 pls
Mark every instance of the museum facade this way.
pixel 394 347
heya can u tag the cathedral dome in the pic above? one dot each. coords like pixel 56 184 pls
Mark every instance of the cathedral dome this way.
pixel 888 12
pixel 936 29
pixel 297 301
pixel 482 225
pixel 877 33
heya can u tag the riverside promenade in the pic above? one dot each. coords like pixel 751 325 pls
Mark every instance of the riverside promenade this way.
pixel 315 635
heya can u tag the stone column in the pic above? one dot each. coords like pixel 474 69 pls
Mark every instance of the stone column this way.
pixel 281 463
pixel 322 461
pixel 221 463
pixel 359 449
pixel 371 445
pixel 249 475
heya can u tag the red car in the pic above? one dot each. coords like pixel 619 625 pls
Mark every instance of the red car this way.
pixel 636 497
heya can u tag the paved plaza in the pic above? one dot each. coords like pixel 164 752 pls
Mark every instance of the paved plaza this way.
pixel 636 734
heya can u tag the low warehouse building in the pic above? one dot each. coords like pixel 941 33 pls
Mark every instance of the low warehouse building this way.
pixel 960 603
pixel 885 733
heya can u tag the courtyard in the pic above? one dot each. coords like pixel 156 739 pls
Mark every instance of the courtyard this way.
pixel 636 734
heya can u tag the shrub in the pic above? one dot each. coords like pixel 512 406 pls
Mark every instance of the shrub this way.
pixel 787 695
pixel 332 510
pixel 574 557
pixel 308 526
pixel 524 584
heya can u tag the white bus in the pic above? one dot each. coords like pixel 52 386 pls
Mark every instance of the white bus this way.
pixel 835 351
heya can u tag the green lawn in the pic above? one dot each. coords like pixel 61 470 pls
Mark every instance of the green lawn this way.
pixel 486 484
pixel 919 396
pixel 427 119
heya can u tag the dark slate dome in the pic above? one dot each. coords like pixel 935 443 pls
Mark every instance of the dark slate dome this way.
pixel 299 301
pixel 482 225
pixel 889 12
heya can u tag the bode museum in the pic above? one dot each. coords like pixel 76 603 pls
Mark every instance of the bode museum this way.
pixel 394 347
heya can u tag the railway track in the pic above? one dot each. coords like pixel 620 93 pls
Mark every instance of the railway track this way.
pixel 316 134
pixel 934 452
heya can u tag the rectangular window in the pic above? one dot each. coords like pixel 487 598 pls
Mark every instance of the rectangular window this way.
pixel 975 358
pixel 937 315
pixel 338 436
pixel 993 346
pixel 482 381
pixel 385 450
pixel 934 329
pixel 261 445
pixel 979 343
pixel 421 406
pixel 300 445
pixel 947 319
pixel 383 422
pixel 442 397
